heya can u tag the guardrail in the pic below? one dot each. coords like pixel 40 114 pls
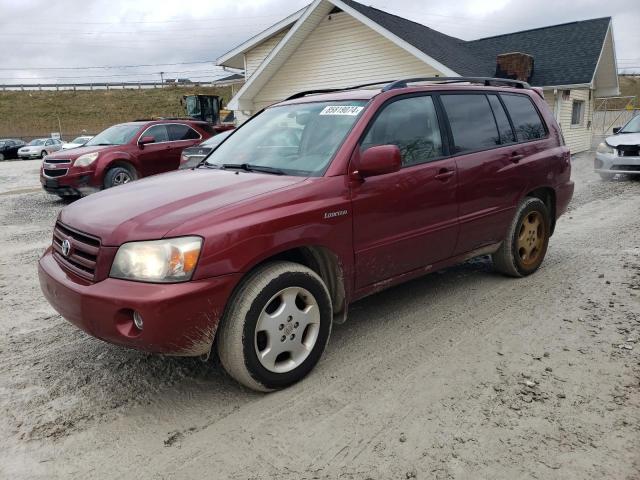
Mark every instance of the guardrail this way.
pixel 102 85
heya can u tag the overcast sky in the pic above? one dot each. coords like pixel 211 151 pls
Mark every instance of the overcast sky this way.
pixel 44 41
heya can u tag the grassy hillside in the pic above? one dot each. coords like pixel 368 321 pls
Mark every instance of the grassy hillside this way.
pixel 35 113
pixel 630 85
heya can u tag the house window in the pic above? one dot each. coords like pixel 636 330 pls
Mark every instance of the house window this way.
pixel 577 112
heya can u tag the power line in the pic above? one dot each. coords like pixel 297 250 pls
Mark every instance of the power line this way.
pixel 135 74
pixel 142 22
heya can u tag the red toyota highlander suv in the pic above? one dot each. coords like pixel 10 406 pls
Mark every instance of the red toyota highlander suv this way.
pixel 312 204
pixel 120 154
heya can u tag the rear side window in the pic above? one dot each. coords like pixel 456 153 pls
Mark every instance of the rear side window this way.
pixel 526 120
pixel 472 124
pixel 158 132
pixel 504 127
pixel 182 132
pixel 411 124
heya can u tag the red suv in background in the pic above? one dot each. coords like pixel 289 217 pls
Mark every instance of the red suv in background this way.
pixel 120 154
pixel 265 244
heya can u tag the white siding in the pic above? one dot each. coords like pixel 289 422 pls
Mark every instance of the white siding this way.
pixel 254 57
pixel 340 52
pixel 578 137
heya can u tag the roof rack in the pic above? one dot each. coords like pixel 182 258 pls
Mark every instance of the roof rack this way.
pixel 486 81
pixel 331 90
pixel 391 85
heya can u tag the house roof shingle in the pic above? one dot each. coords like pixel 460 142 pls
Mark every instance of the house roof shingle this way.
pixel 563 54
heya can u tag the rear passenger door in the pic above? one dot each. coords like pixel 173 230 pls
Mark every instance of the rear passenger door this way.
pixel 489 175
pixel 406 220
pixel 181 136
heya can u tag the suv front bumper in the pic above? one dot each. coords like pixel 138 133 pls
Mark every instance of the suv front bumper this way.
pixel 613 164
pixel 179 319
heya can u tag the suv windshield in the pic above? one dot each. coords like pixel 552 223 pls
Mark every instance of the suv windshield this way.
pixel 116 135
pixel 633 126
pixel 37 141
pixel 298 139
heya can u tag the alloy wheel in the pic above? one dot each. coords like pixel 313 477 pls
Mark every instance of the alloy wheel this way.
pixel 287 329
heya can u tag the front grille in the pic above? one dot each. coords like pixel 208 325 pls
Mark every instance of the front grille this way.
pixel 55 161
pixel 628 168
pixel 56 173
pixel 83 254
pixel 629 150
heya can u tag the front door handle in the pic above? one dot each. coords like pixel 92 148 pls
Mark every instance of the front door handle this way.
pixel 516 157
pixel 444 174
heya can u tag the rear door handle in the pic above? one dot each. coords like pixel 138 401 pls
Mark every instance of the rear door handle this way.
pixel 444 174
pixel 516 157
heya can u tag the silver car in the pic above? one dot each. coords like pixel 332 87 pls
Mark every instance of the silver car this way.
pixel 39 148
pixel 620 153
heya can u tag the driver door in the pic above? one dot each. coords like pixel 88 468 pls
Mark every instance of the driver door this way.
pixel 155 157
pixel 407 220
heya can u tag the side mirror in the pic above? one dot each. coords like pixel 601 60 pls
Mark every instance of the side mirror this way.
pixel 146 140
pixel 380 160
pixel 616 129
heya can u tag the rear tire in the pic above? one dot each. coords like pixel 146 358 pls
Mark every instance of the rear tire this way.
pixel 276 326
pixel 523 250
pixel 119 176
pixel 43 154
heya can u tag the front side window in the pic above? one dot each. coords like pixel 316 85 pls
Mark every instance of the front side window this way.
pixel 299 139
pixel 472 123
pixel 577 112
pixel 178 132
pixel 37 142
pixel 158 132
pixel 524 116
pixel 411 124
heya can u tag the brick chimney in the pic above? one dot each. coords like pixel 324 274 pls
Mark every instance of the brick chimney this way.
pixel 514 65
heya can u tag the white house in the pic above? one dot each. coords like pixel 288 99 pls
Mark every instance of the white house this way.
pixel 341 43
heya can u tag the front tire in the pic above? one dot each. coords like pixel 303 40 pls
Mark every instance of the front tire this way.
pixel 119 176
pixel 607 177
pixel 276 326
pixel 524 248
pixel 43 154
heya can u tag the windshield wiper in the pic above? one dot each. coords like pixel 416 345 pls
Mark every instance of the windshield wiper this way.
pixel 248 167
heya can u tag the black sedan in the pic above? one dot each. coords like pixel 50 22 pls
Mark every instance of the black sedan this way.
pixel 9 147
pixel 193 156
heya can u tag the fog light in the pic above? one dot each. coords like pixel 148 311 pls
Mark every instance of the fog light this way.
pixel 137 320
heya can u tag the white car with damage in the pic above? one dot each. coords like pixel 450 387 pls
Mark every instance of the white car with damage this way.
pixel 620 153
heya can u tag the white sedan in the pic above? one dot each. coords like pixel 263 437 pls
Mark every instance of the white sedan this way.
pixel 76 142
pixel 39 148
pixel 620 153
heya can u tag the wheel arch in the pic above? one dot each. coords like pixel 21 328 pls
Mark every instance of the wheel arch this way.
pixel 548 196
pixel 322 261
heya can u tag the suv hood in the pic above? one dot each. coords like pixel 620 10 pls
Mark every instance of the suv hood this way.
pixel 149 208
pixel 67 154
pixel 624 139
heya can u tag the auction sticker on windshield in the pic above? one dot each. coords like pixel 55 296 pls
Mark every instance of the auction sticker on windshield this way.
pixel 341 110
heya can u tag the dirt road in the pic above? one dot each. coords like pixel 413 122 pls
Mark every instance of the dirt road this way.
pixel 462 374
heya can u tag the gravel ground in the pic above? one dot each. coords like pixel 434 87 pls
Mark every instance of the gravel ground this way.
pixel 461 374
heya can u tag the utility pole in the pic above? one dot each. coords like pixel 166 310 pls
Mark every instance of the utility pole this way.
pixel 161 79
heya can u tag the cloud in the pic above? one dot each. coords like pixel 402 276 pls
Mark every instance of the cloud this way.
pixel 38 34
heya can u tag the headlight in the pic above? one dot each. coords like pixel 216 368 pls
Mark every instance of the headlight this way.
pixel 605 148
pixel 86 159
pixel 162 261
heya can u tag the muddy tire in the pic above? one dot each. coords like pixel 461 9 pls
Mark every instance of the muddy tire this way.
pixel 524 248
pixel 276 326
pixel 119 176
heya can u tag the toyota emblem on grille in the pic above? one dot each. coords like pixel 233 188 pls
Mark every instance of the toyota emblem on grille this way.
pixel 66 247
